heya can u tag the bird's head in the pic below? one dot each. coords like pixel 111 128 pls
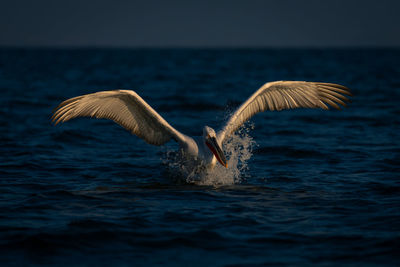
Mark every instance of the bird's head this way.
pixel 210 139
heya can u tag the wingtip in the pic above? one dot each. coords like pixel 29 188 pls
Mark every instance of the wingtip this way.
pixel 54 120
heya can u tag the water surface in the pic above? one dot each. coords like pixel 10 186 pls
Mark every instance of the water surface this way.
pixel 320 187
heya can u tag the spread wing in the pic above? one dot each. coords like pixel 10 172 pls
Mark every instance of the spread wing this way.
pixel 126 108
pixel 286 95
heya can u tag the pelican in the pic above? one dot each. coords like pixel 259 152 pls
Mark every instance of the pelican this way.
pixel 129 110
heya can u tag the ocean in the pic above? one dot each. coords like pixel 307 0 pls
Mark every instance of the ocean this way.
pixel 308 187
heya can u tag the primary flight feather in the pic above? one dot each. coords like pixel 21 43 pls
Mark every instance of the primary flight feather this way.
pixel 129 110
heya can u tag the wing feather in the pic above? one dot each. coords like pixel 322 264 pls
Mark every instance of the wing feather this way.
pixel 286 95
pixel 126 108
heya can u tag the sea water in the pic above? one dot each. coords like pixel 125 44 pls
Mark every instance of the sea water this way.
pixel 303 186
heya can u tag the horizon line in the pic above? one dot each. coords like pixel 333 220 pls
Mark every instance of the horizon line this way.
pixel 189 47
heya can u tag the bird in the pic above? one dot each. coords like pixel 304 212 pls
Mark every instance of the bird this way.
pixel 129 110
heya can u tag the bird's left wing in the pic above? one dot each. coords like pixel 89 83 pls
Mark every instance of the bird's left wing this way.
pixel 126 108
pixel 286 95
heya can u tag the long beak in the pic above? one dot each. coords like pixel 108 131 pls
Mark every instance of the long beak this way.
pixel 217 151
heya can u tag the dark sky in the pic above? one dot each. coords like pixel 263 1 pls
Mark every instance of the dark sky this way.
pixel 207 23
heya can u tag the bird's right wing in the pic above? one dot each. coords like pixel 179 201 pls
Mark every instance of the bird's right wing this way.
pixel 285 95
pixel 126 108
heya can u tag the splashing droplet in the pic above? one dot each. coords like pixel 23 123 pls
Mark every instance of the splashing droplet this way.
pixel 238 150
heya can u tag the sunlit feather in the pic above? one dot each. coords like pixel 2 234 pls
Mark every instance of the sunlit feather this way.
pixel 129 110
pixel 286 95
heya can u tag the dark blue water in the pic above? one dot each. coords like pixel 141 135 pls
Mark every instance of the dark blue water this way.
pixel 321 187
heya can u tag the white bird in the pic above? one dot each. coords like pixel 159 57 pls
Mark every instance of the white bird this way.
pixel 129 110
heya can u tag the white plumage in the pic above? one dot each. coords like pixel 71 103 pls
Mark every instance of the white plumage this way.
pixel 286 95
pixel 129 110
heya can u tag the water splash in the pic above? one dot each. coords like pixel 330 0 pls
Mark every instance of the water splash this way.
pixel 238 150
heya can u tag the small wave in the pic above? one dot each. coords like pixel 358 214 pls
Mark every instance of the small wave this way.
pixel 72 136
pixel 202 238
pixel 289 132
pixel 290 152
pixel 190 107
